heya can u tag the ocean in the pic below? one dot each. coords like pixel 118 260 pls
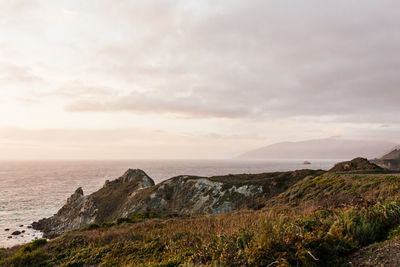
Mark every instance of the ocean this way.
pixel 32 190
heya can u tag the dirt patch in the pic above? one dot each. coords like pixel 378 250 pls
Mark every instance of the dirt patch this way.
pixel 381 254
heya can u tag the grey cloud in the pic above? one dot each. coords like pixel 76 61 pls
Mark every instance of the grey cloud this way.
pixel 257 59
pixel 148 103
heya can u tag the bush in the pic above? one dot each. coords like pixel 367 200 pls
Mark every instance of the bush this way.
pixel 124 220
pixel 91 226
pixel 21 258
pixel 107 225
pixel 34 245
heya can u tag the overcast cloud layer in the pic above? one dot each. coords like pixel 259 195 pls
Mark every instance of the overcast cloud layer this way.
pixel 216 71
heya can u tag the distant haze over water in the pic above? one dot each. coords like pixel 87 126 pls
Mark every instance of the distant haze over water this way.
pixel 329 148
pixel 31 190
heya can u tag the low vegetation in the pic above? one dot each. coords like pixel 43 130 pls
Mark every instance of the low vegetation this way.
pixel 319 221
pixel 252 238
pixel 338 190
pixel 291 235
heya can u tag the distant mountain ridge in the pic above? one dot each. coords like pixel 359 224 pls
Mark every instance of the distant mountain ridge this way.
pixel 390 161
pixel 329 148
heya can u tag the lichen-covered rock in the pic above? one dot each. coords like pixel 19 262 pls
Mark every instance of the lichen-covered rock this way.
pixel 135 191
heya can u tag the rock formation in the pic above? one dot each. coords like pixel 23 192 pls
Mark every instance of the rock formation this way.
pixel 135 191
pixel 81 210
pixel 357 165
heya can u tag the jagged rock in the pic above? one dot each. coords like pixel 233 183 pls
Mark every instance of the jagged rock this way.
pixel 78 211
pixel 81 210
pixel 7 229
pixel 16 233
pixel 136 191
pixel 136 176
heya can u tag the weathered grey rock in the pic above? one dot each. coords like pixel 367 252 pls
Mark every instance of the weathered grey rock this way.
pixel 81 210
pixel 16 233
pixel 136 191
pixel 78 211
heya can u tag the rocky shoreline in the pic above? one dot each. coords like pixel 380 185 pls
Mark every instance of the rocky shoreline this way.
pixel 21 234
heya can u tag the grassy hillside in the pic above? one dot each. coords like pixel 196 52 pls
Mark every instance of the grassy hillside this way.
pixel 256 238
pixel 336 190
pixel 318 221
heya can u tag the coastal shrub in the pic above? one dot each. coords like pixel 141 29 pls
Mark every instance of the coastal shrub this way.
pixel 394 233
pixel 122 220
pixel 34 245
pixel 359 227
pixel 107 225
pixel 282 236
pixel 322 237
pixel 91 226
pixel 143 215
pixel 23 259
pixel 3 253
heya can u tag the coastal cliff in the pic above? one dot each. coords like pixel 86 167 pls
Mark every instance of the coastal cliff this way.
pixel 135 191
pixel 297 218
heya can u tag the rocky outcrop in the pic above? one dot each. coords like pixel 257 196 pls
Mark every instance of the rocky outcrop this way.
pixel 81 210
pixel 135 191
pixel 357 165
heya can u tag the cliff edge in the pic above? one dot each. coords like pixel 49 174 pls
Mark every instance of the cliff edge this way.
pixel 135 191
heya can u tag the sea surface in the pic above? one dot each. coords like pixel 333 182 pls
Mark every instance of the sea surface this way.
pixel 32 190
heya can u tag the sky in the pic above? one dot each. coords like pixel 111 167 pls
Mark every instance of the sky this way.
pixel 192 79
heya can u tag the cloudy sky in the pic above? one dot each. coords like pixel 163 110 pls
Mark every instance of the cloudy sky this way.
pixel 193 79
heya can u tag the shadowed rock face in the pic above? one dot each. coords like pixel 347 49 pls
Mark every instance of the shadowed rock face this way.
pixel 81 210
pixel 135 191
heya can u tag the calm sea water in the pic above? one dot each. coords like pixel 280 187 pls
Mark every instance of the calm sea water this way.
pixel 31 190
